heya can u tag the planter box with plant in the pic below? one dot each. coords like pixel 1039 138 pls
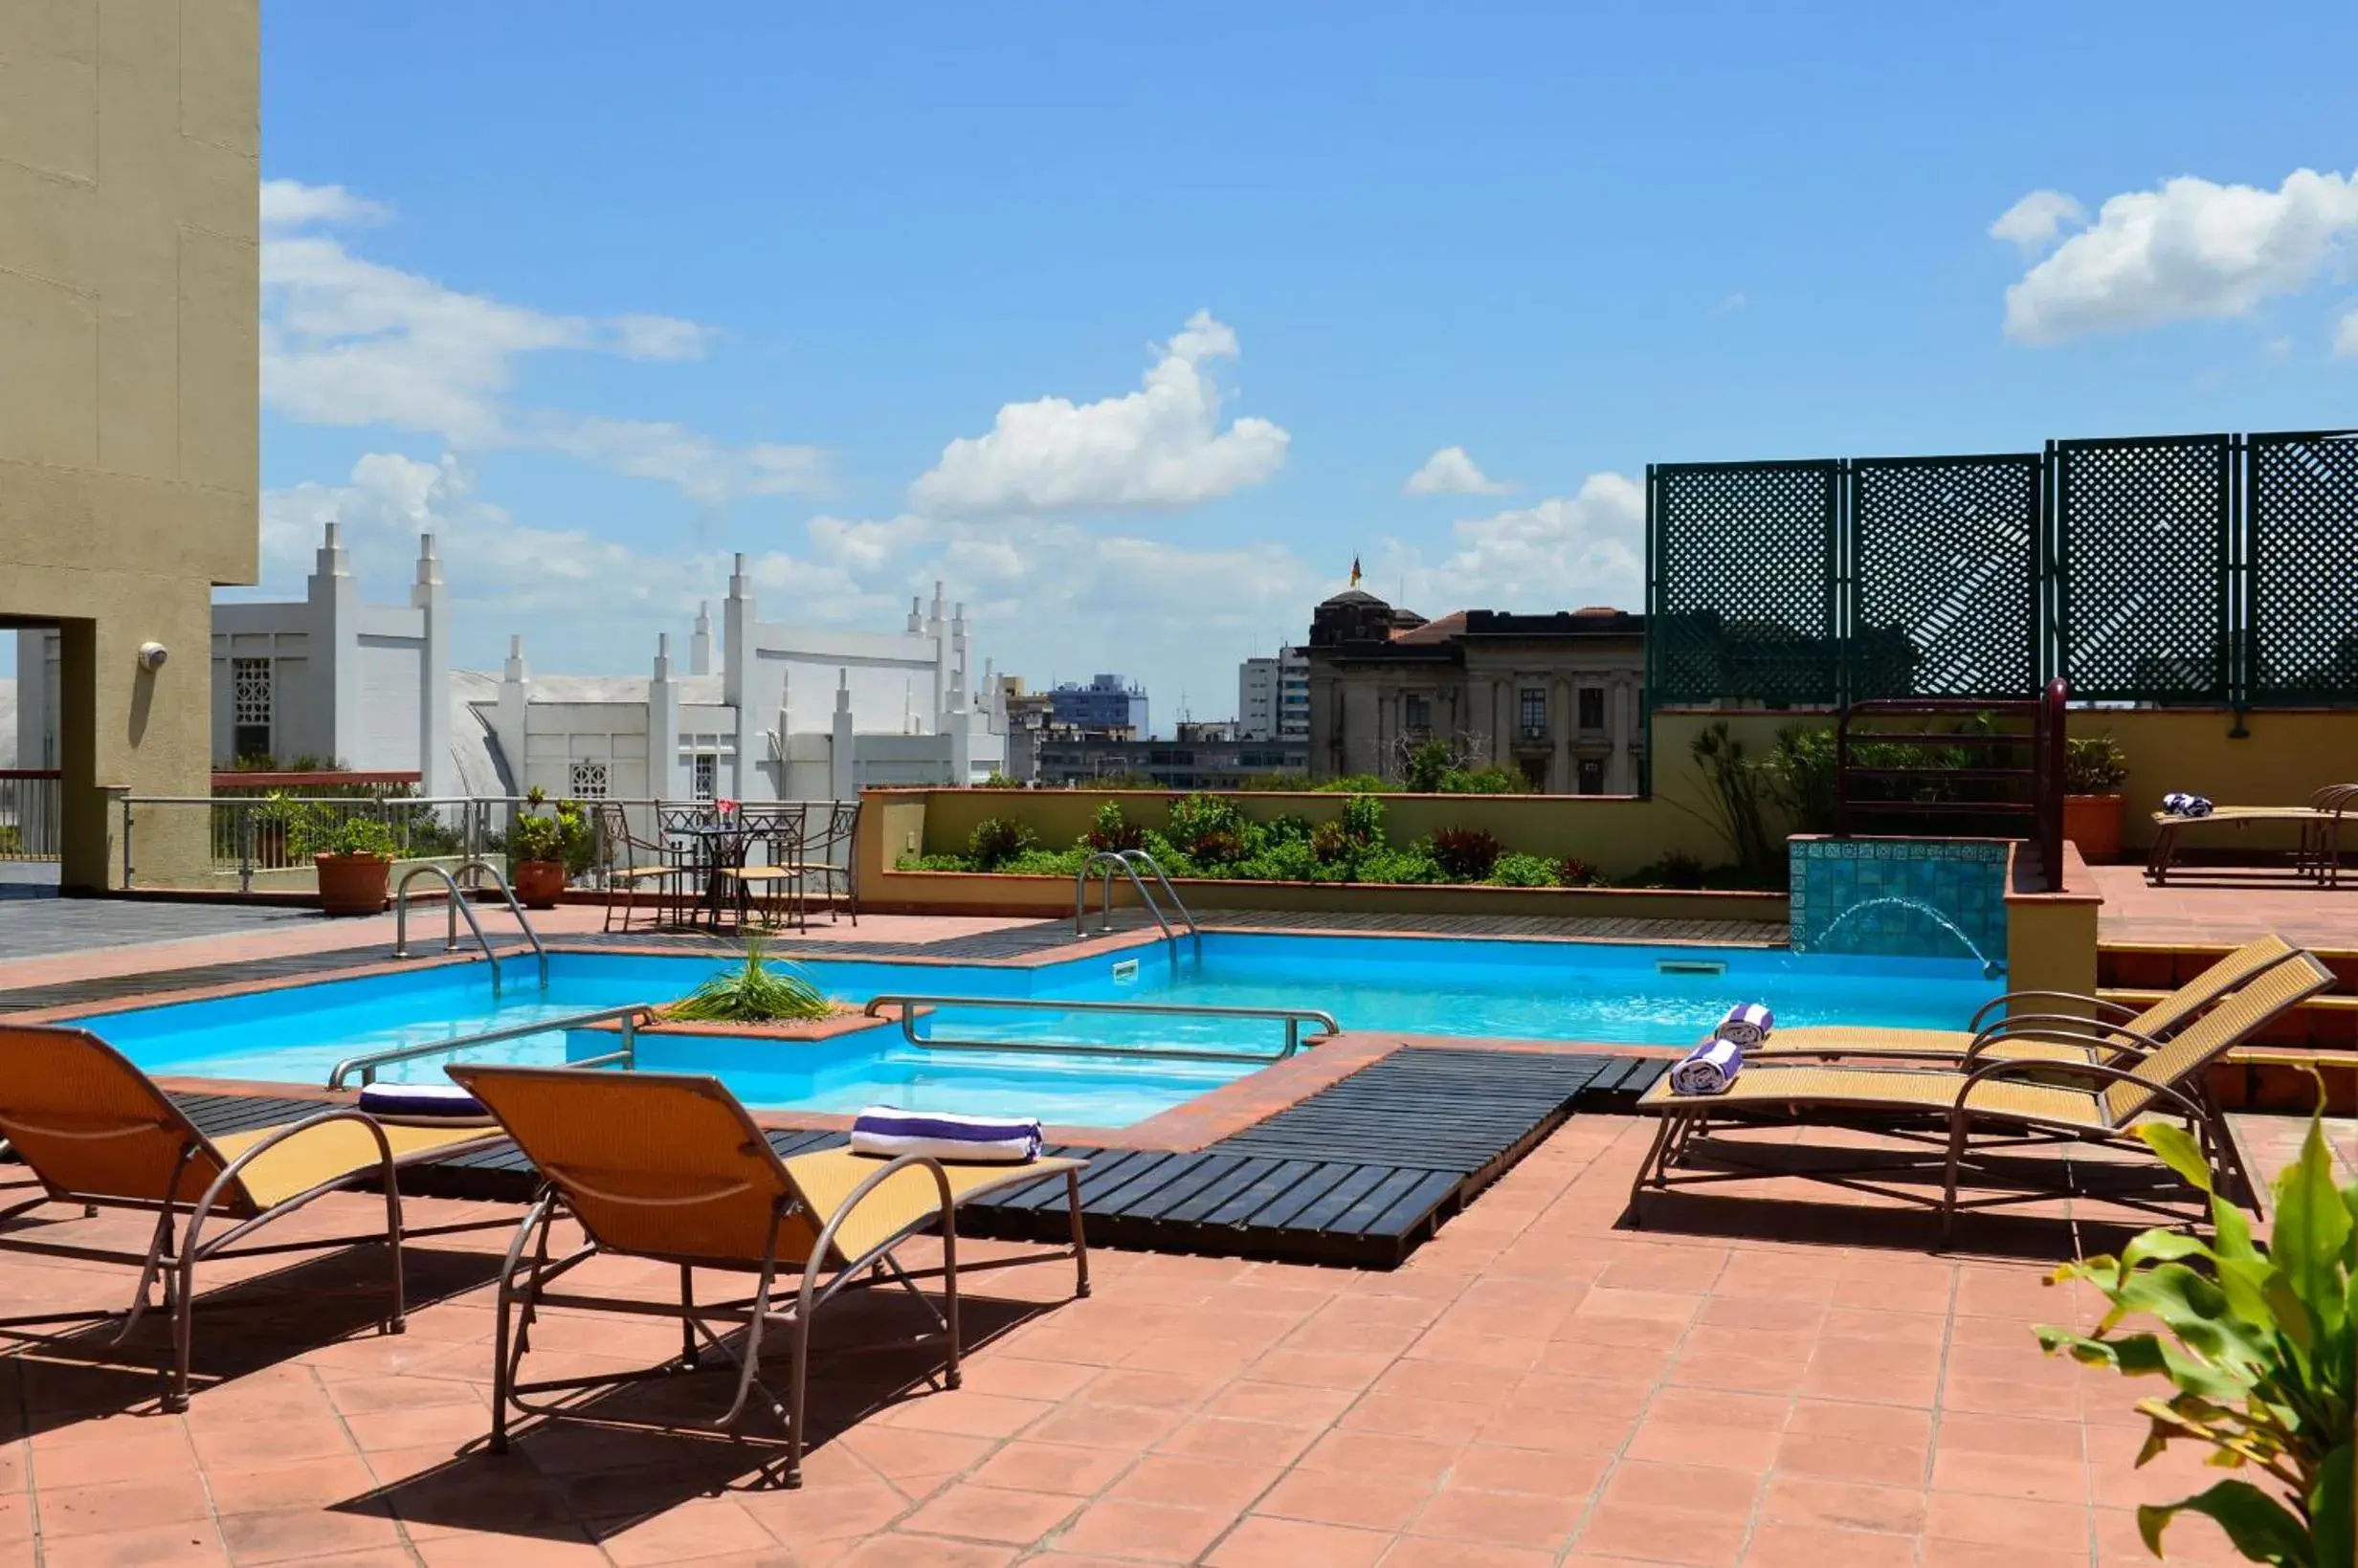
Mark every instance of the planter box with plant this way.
pixel 2094 769
pixel 753 993
pixel 354 858
pixel 2259 1343
pixel 547 851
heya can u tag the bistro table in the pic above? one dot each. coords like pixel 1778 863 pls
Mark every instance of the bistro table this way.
pixel 716 845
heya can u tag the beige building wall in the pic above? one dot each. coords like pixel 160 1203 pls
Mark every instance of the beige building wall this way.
pixel 129 383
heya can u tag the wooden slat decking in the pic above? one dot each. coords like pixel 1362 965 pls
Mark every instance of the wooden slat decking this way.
pixel 1360 1173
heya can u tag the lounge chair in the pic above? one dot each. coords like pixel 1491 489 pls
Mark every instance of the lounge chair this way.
pixel 95 1131
pixel 2320 821
pixel 2106 1032
pixel 670 1167
pixel 2040 1100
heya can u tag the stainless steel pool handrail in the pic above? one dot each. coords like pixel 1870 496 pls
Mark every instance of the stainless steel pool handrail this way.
pixel 1293 1017
pixel 1128 862
pixel 632 1016
pixel 460 906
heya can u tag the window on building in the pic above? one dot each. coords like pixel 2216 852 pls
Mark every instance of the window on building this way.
pixel 1592 775
pixel 1592 707
pixel 1416 711
pixel 705 776
pixel 1535 774
pixel 1534 712
pixel 587 782
pixel 250 708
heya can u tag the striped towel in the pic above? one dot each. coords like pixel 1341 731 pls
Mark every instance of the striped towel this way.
pixel 1749 1025
pixel 1708 1068
pixel 944 1135
pixel 2179 803
pixel 440 1101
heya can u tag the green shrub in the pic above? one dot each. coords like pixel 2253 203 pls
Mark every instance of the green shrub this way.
pixel 1572 872
pixel 1428 766
pixel 2260 1343
pixel 753 993
pixel 1677 870
pixel 1208 830
pixel 1111 828
pixel 1356 783
pixel 1523 871
pixel 1269 782
pixel 1363 820
pixel 996 840
pixel 1381 864
pixel 11 839
pixel 2094 765
pixel 1799 774
pixel 1039 862
pixel 354 835
pixel 1466 854
pixel 996 779
pixel 933 863
pixel 1485 781
pixel 565 834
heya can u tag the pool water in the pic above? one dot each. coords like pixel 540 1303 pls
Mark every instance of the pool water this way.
pixel 1603 994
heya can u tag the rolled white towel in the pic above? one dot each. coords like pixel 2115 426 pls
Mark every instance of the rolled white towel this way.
pixel 1708 1068
pixel 943 1134
pixel 2179 803
pixel 421 1101
pixel 1747 1024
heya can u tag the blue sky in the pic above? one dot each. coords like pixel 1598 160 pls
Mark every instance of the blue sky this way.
pixel 1134 324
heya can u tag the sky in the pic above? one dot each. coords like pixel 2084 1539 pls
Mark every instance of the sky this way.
pixel 1135 326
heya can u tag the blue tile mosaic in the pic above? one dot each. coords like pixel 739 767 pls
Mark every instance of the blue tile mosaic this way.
pixel 1907 897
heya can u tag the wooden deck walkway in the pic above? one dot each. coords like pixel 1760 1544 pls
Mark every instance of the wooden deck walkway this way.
pixel 1360 1173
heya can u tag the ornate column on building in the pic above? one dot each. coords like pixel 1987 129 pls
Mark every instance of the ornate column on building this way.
pixel 738 635
pixel 842 773
pixel 431 599
pixel 1561 780
pixel 508 718
pixel 663 781
pixel 333 644
pixel 1503 721
pixel 1621 772
pixel 699 643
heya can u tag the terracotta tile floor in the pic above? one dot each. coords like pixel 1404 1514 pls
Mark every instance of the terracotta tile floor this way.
pixel 2222 906
pixel 1536 1386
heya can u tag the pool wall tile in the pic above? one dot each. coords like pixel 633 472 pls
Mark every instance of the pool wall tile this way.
pixel 1882 897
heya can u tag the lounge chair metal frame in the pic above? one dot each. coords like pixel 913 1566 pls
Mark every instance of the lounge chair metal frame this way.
pixel 170 1260
pixel 2318 858
pixel 528 1273
pixel 1949 1129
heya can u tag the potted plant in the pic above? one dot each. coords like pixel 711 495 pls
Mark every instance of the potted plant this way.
pixel 545 851
pixel 2094 769
pixel 355 859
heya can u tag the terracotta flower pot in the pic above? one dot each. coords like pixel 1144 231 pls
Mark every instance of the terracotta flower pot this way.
pixel 352 884
pixel 2093 822
pixel 540 883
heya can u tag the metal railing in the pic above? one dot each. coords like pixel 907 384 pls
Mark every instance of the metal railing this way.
pixel 458 906
pixel 1988 778
pixel 1128 862
pixel 30 826
pixel 626 1057
pixel 1293 1017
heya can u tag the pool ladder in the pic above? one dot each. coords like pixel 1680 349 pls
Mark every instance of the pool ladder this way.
pixel 1107 862
pixel 460 906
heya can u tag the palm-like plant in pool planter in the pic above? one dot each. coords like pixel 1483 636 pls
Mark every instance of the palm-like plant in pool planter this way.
pixel 754 993
pixel 2259 1342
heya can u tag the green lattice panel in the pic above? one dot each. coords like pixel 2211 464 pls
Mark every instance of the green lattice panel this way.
pixel 2142 530
pixel 1944 575
pixel 2302 505
pixel 1741 603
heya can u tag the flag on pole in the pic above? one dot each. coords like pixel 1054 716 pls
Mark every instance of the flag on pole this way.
pixel 1354 571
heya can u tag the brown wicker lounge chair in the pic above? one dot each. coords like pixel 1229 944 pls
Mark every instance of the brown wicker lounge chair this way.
pixel 2320 821
pixel 2034 1101
pixel 2106 1032
pixel 95 1131
pixel 670 1167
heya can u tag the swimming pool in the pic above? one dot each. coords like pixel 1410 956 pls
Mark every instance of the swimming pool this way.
pixel 1534 990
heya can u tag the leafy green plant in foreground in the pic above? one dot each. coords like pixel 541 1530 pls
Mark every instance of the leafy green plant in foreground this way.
pixel 2260 1343
pixel 753 994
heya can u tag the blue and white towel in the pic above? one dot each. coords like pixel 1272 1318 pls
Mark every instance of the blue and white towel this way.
pixel 944 1135
pixel 1708 1068
pixel 1749 1025
pixel 441 1102
pixel 2178 804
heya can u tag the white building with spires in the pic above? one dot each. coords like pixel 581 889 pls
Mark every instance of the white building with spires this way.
pixel 762 711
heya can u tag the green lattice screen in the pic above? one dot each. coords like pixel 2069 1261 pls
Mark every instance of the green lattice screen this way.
pixel 2142 540
pixel 2302 509
pixel 1944 575
pixel 1742 565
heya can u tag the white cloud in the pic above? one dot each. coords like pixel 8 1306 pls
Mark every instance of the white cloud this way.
pixel 1563 553
pixel 1160 446
pixel 1450 471
pixel 2346 336
pixel 1729 304
pixel 2032 224
pixel 291 204
pixel 347 341
pixel 2191 249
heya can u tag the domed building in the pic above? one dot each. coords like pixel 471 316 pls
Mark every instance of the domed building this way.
pixel 1557 698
